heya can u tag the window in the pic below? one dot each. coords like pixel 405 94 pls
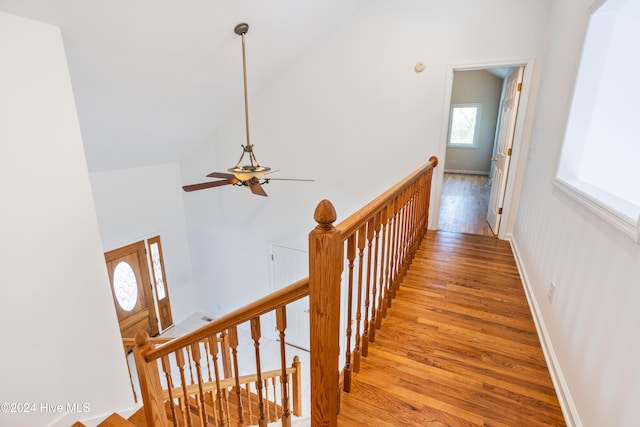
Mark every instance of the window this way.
pixel 125 286
pixel 599 161
pixel 464 123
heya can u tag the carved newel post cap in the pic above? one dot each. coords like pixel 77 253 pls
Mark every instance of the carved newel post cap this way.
pixel 325 215
pixel 142 338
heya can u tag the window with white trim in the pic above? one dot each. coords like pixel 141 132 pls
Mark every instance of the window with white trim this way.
pixel 599 164
pixel 464 125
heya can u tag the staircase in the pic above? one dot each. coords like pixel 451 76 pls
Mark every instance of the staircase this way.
pixel 194 380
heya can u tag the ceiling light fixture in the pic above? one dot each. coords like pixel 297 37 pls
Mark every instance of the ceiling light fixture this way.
pixel 251 175
pixel 253 169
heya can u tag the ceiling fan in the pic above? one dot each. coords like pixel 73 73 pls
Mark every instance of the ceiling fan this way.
pixel 251 175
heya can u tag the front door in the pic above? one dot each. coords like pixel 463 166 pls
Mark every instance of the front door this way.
pixel 506 130
pixel 131 288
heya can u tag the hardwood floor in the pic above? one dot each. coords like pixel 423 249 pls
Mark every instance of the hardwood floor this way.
pixel 458 347
pixel 464 203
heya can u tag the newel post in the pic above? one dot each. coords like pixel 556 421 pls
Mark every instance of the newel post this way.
pixel 325 269
pixel 149 380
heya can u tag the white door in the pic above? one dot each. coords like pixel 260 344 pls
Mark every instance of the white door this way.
pixel 506 129
pixel 288 266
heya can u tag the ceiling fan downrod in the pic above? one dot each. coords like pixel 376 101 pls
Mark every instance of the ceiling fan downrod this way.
pixel 253 170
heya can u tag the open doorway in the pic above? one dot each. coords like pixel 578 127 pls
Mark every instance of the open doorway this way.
pixel 480 134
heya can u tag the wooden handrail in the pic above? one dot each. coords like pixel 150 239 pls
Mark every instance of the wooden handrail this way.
pixel 380 241
pixel 354 221
pixel 284 296
pixel 189 365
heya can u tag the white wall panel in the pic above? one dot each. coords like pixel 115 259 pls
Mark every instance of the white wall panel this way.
pixel 593 322
pixel 61 343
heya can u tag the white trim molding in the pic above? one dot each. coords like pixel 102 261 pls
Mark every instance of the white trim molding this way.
pixel 621 214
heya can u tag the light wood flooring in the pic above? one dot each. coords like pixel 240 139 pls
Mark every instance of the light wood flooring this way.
pixel 464 203
pixel 458 347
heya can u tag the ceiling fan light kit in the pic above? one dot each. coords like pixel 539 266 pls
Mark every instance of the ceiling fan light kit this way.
pixel 251 175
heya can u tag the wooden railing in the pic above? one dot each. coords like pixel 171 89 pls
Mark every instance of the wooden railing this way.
pixel 355 269
pixel 380 241
pixel 196 393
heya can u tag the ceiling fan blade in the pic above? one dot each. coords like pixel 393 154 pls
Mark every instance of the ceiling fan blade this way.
pixel 289 179
pixel 221 175
pixel 256 188
pixel 203 185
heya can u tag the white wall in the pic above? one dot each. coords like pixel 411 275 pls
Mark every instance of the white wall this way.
pixel 593 323
pixel 60 334
pixel 139 203
pixel 353 115
pixel 477 86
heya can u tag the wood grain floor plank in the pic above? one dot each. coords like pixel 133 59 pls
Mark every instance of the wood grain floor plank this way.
pixel 458 347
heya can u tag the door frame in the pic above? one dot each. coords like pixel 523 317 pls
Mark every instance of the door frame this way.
pixel 518 157
pixel 274 286
pixel 139 249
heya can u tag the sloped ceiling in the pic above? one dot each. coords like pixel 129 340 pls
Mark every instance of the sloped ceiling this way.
pixel 152 79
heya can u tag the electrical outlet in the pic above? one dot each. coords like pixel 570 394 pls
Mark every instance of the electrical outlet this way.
pixel 552 291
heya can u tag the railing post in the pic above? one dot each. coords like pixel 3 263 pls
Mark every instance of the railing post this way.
pixel 149 380
pixel 325 269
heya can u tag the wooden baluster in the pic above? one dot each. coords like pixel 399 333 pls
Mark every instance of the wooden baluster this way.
pixel 202 408
pixel 226 355
pixel 296 387
pixel 213 344
pixel 362 235
pixel 382 310
pixel 207 351
pixel 367 293
pixel 185 395
pixel 389 258
pixel 407 236
pixel 351 255
pixel 398 247
pixel 401 241
pixel 267 413
pixel 226 369
pixel 248 389
pixel 374 280
pixel 232 341
pixel 149 380
pixel 281 326
pixel 255 335
pixel 190 358
pixel 166 368
pixel 326 261
pixel 414 220
pixel 275 400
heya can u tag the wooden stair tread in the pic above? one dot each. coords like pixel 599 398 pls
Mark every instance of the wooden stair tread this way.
pixel 116 420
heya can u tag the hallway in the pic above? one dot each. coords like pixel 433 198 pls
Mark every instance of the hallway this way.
pixel 464 204
pixel 458 347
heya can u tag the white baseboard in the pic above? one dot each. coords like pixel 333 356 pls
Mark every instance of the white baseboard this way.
pixel 569 410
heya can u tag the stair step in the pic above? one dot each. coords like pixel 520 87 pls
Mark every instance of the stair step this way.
pixel 116 420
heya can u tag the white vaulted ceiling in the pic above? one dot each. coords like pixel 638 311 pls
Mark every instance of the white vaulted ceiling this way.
pixel 152 79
